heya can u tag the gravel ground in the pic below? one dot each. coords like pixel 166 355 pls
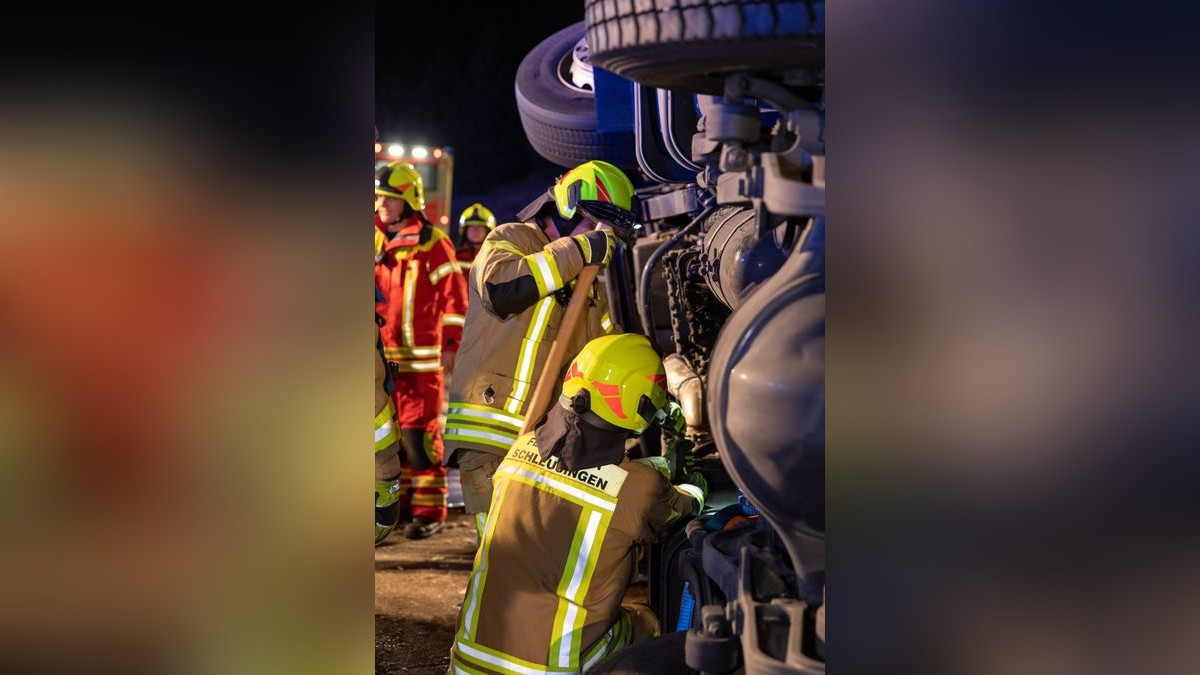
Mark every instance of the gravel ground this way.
pixel 418 586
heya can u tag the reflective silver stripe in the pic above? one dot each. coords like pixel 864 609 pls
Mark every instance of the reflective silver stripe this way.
pixel 442 270
pixel 576 589
pixel 540 265
pixel 382 431
pixel 537 328
pixel 410 292
pixel 606 323
pixel 417 366
pixel 453 320
pixel 561 487
pixel 471 433
pixel 497 661
pixel 412 352
pixel 603 649
pixel 505 420
pixel 480 573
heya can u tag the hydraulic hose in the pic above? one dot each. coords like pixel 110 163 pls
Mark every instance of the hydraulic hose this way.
pixel 644 282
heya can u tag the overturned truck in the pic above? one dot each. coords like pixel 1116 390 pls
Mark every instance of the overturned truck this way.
pixel 719 107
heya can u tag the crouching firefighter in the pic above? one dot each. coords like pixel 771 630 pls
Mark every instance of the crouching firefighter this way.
pixel 569 509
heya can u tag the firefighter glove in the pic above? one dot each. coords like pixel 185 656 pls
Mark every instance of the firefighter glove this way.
pixel 697 487
pixel 596 246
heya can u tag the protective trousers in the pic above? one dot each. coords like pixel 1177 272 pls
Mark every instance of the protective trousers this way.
pixel 418 399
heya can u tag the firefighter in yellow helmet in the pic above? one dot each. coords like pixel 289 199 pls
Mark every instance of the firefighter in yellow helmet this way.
pixel 423 311
pixel 474 225
pixel 519 285
pixel 568 511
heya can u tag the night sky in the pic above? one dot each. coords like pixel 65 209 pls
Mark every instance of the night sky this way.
pixel 444 74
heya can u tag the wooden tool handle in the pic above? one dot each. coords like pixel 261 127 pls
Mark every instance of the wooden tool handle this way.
pixel 554 360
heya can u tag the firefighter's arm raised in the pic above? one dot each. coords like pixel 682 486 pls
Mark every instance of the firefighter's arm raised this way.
pixel 511 281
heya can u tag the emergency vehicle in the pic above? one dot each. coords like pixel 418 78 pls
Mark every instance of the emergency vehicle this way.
pixel 436 166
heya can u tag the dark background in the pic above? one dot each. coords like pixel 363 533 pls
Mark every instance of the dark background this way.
pixel 444 76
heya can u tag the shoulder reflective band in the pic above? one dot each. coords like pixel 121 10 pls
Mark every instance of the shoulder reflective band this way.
pixel 453 320
pixel 502 245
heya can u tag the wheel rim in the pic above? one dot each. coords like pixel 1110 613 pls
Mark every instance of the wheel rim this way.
pixel 575 68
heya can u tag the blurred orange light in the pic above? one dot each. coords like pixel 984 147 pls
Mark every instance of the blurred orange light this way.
pixel 437 152
pixel 445 220
pixel 378 147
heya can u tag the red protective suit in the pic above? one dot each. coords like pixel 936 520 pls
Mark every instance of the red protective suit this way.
pixel 423 316
pixel 466 253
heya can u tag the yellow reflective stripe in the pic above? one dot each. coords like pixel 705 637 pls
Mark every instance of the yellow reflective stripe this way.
pixel 400 353
pixel 429 481
pixel 419 499
pixel 417 366
pixel 385 427
pixel 537 328
pixel 573 587
pixel 545 272
pixel 603 483
pixel 492 659
pixel 459 666
pixel 599 650
pixel 492 437
pixel 482 562
pixel 453 320
pixel 606 323
pixel 441 271
pixel 385 435
pixel 616 638
pixel 585 245
pixel 490 415
pixel 480 522
pixel 568 492
pixel 410 292
pixel 468 422
pixel 503 246
pixel 464 266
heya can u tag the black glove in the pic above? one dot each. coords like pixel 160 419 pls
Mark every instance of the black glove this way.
pixel 596 246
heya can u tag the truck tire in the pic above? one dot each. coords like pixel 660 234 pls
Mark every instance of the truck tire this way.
pixel 560 120
pixel 694 44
